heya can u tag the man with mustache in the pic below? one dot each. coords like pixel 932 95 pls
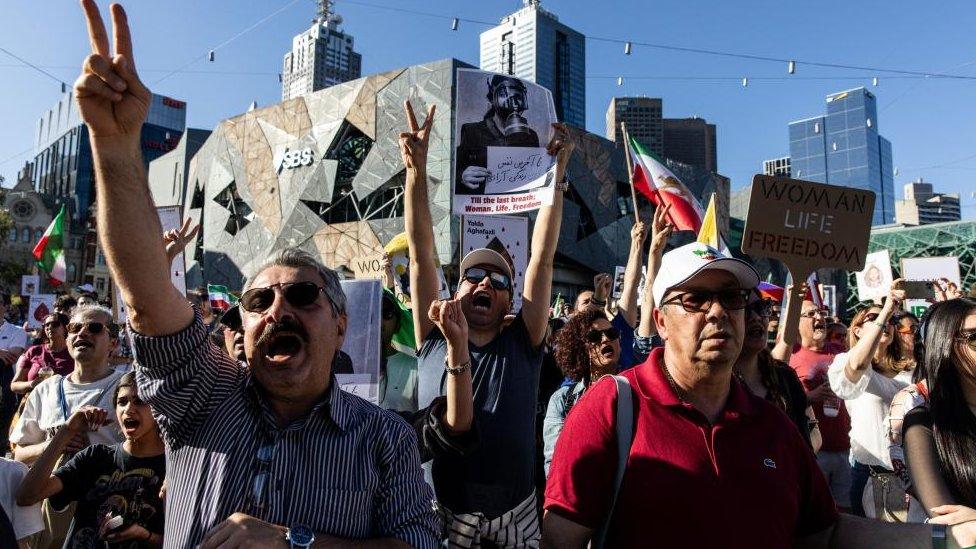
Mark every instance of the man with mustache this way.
pixel 487 495
pixel 267 453
pixel 710 465
pixel 811 360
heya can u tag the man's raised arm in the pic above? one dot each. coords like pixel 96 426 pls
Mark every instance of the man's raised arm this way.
pixel 424 283
pixel 114 103
pixel 545 238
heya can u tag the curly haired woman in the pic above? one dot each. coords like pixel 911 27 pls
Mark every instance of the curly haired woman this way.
pixel 587 348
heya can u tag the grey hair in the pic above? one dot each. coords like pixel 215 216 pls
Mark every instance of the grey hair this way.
pixel 298 258
pixel 101 309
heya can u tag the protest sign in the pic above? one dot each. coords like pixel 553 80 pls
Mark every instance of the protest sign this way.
pixel 30 284
pixel 875 279
pixel 171 219
pixel 618 282
pixel 928 268
pixel 358 372
pixel 807 226
pixel 368 267
pixel 502 124
pixel 507 235
pixel 41 305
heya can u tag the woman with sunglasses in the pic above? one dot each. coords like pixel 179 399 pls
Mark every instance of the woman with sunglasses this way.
pixel 116 486
pixel 940 434
pixel 868 377
pixel 587 348
pixel 43 360
pixel 772 379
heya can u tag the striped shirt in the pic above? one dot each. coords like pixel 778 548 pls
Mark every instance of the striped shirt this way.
pixel 347 469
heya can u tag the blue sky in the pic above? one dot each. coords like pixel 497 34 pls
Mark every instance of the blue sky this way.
pixel 931 122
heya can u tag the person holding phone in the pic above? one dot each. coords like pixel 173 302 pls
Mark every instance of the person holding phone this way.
pixel 117 486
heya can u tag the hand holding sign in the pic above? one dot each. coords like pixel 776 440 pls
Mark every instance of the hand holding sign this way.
pixel 807 226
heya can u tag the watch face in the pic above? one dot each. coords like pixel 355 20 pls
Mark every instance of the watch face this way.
pixel 301 535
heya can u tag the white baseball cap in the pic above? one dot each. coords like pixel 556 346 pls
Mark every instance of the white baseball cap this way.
pixel 682 264
pixel 485 256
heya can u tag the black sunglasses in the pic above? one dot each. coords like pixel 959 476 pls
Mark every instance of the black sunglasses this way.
pixel 92 327
pixel 871 317
pixel 499 281
pixel 596 336
pixel 763 308
pixel 700 301
pixel 297 294
pixel 261 479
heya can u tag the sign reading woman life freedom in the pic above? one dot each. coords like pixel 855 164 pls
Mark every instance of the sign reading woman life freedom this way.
pixel 807 226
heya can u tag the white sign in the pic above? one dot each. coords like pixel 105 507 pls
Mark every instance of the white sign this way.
pixel 502 125
pixel 874 280
pixel 171 219
pixel 359 371
pixel 41 305
pixel 30 284
pixel 119 308
pixel 507 235
pixel 931 268
pixel 618 281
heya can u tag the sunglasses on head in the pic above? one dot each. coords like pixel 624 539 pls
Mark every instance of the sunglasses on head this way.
pixel 700 301
pixel 596 336
pixel 297 294
pixel 92 327
pixel 499 281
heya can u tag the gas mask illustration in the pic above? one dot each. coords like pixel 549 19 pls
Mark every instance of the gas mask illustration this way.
pixel 508 98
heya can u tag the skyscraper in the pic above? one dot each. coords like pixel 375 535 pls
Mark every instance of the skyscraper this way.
pixel 320 57
pixel 643 118
pixel 844 148
pixel 533 45
pixel 777 167
pixel 691 141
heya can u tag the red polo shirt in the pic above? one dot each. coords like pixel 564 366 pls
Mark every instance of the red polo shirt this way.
pixel 749 480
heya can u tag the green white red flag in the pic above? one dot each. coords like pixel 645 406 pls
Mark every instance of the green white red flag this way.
pixel 49 251
pixel 660 186
pixel 220 297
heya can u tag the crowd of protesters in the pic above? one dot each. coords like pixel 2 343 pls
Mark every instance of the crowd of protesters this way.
pixel 674 416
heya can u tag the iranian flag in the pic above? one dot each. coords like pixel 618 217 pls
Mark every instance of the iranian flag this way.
pixel 660 186
pixel 49 251
pixel 220 297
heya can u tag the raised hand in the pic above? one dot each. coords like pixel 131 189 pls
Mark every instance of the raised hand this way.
pixel 414 144
pixel 896 294
pixel 638 233
pixel 601 286
pixel 177 239
pixel 561 146
pixel 87 419
pixel 112 100
pixel 449 319
pixel 661 228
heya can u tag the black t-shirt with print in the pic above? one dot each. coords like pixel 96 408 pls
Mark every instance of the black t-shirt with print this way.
pixel 107 479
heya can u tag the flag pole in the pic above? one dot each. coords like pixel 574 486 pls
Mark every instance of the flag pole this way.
pixel 630 170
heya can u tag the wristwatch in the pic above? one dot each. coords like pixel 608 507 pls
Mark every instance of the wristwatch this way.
pixel 300 536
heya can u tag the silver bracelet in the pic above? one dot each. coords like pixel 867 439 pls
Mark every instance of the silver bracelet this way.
pixel 457 370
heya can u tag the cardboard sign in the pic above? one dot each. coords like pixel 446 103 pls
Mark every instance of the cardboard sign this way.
pixel 507 235
pixel 807 226
pixel 874 280
pixel 368 267
pixel 171 219
pixel 618 281
pixel 30 284
pixel 41 305
pixel 358 371
pixel 502 125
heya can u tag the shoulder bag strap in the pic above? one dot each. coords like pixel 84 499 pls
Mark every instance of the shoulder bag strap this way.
pixel 625 437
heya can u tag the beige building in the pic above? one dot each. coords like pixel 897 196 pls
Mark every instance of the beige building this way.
pixel 923 206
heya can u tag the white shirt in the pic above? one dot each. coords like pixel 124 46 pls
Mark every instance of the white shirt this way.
pixel 44 412
pixel 868 402
pixel 12 336
pixel 25 520
pixel 398 384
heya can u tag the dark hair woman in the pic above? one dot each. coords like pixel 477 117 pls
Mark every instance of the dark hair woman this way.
pixel 587 348
pixel 940 435
pixel 769 378
pixel 43 360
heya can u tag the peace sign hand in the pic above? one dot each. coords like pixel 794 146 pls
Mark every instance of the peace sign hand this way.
pixel 177 239
pixel 413 144
pixel 112 100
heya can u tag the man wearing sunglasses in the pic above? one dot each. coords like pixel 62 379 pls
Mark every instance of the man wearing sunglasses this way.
pixel 270 453
pixel 92 336
pixel 487 495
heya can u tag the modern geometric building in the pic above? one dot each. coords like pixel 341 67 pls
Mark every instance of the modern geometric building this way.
pixel 320 57
pixel 777 167
pixel 63 167
pixel 844 148
pixel 533 45
pixel 691 141
pixel 168 174
pixel 323 172
pixel 923 206
pixel 642 115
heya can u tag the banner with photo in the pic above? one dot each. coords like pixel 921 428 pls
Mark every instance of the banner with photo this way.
pixel 502 126
pixel 357 368
pixel 41 305
pixel 928 268
pixel 875 279
pixel 171 218
pixel 30 284
pixel 509 236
